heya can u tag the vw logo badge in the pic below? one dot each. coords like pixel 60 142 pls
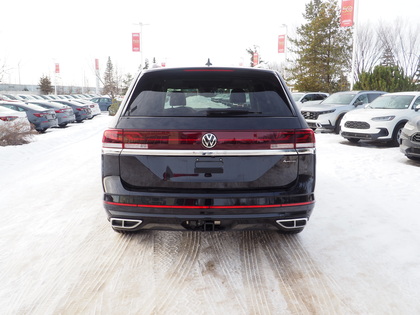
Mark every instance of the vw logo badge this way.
pixel 209 140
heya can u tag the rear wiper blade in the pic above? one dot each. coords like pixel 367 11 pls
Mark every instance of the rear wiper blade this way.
pixel 227 112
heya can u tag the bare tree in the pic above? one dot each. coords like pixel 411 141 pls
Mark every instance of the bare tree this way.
pixel 369 50
pixel 397 42
pixel 2 71
pixel 403 40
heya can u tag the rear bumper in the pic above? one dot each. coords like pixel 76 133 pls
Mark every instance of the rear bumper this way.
pixel 225 210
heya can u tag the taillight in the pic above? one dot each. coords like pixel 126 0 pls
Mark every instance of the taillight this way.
pixel 39 114
pixel 8 118
pixel 58 111
pixel 193 140
pixel 113 138
pixel 304 138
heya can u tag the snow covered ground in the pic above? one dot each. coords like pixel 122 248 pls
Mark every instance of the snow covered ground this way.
pixel 359 254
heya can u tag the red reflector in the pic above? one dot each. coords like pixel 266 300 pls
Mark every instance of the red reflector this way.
pixel 208 70
pixel 210 207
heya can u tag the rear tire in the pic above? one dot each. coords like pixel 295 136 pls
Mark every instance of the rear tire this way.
pixel 337 127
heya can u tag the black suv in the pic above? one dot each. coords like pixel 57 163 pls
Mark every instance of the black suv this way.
pixel 208 149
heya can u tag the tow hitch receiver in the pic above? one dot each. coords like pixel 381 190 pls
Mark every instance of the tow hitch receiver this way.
pixel 201 225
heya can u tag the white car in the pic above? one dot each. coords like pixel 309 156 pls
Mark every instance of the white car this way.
pixel 328 114
pixel 302 97
pixel 12 120
pixel 383 119
pixel 94 107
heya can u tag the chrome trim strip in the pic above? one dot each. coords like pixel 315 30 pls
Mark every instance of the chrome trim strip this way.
pixel 110 151
pixel 134 152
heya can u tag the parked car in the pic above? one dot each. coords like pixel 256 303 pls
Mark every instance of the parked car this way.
pixel 13 97
pixel 37 97
pixel 381 120
pixel 104 102
pixel 81 112
pixel 25 97
pixel 64 113
pixel 328 114
pixel 175 159
pixel 302 97
pixel 45 97
pixel 410 138
pixel 13 120
pixel 41 118
pixel 94 107
pixel 4 97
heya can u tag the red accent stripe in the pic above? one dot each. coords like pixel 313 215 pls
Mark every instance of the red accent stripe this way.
pixel 209 207
pixel 208 70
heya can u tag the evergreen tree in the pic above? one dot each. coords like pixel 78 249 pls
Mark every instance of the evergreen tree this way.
pixel 323 49
pixel 385 78
pixel 387 59
pixel 45 85
pixel 110 85
pixel 126 82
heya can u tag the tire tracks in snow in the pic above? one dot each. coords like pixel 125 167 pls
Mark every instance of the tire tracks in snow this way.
pixel 306 288
pixel 80 279
pixel 220 271
pixel 253 273
pixel 175 258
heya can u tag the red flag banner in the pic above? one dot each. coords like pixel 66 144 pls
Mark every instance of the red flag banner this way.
pixel 96 64
pixel 282 44
pixel 57 68
pixel 255 59
pixel 136 41
pixel 347 13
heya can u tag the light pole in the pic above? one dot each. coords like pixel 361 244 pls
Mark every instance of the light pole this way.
pixel 353 55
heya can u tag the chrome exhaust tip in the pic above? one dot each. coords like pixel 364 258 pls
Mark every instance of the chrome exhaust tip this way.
pixel 292 223
pixel 125 224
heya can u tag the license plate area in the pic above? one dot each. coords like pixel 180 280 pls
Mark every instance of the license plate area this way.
pixel 208 166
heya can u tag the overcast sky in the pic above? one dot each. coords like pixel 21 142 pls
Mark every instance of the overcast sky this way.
pixel 34 35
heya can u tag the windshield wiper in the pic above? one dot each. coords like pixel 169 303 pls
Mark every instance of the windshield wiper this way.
pixel 228 112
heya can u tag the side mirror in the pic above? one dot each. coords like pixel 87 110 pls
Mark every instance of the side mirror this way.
pixel 358 103
pixel 417 107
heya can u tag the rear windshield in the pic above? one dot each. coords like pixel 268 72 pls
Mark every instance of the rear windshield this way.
pixel 208 93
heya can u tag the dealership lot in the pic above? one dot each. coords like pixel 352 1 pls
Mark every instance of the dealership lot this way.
pixel 357 255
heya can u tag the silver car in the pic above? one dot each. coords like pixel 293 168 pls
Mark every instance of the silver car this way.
pixel 64 113
pixel 410 138
pixel 40 117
